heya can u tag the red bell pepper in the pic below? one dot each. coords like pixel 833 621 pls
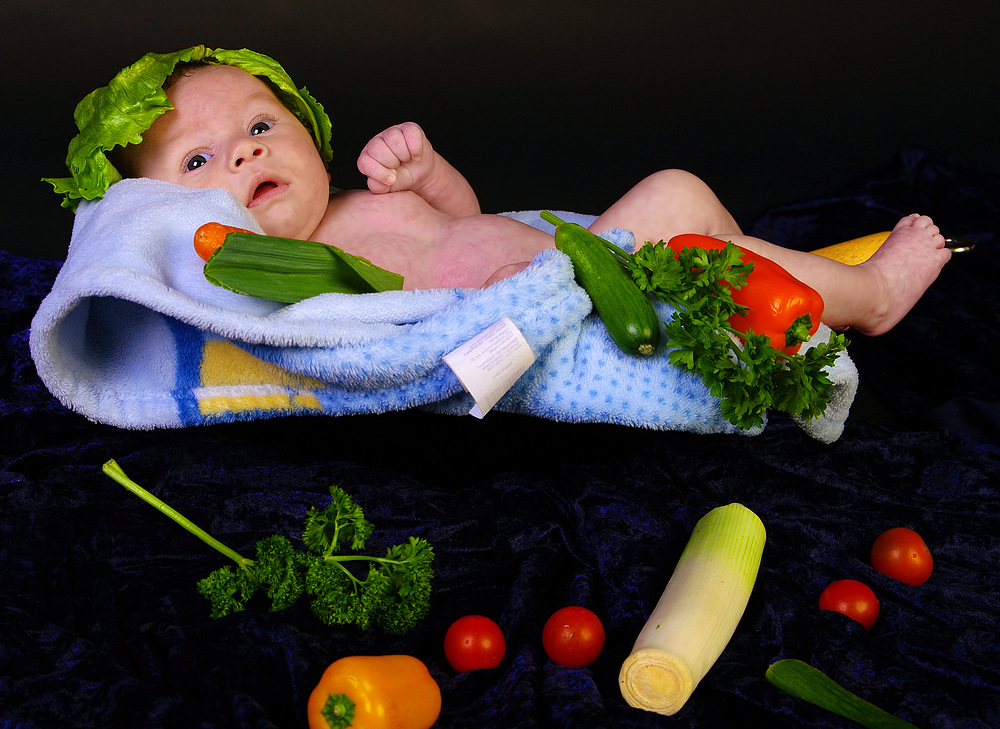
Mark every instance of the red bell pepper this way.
pixel 780 306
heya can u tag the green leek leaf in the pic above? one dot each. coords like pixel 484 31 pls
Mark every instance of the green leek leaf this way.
pixel 289 270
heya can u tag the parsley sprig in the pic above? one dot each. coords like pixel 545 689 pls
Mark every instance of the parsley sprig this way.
pixel 393 593
pixel 742 369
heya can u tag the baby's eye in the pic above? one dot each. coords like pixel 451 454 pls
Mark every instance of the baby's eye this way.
pixel 259 128
pixel 195 161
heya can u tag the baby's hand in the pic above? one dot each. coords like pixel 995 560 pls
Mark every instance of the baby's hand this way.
pixel 400 158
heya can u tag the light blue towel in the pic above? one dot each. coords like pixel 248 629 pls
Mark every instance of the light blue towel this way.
pixel 133 335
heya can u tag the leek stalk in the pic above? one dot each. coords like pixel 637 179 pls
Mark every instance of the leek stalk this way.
pixel 698 612
pixel 290 270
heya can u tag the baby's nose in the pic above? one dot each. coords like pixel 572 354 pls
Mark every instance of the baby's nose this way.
pixel 255 152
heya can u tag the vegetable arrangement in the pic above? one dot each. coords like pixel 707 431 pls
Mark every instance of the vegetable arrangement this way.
pixel 686 632
pixel 899 553
pixel 703 284
pixel 375 692
pixel 707 284
pixel 394 594
pixel 698 612
pixel 772 302
pixel 285 269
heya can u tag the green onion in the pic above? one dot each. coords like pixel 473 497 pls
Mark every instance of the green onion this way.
pixel 698 612
pixel 810 684
pixel 289 270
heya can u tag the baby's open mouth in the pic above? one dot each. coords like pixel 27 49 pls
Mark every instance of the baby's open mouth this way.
pixel 262 189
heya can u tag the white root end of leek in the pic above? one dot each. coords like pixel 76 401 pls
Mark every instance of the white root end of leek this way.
pixel 698 612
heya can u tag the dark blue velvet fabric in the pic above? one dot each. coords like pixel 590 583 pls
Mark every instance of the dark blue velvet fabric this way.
pixel 100 624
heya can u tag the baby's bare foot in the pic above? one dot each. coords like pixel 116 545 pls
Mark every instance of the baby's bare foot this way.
pixel 903 267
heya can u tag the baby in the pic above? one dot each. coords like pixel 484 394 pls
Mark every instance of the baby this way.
pixel 419 216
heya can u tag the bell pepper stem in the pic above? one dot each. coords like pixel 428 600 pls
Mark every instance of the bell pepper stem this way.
pixel 338 711
pixel 798 332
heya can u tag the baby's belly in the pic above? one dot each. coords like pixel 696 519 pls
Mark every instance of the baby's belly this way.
pixel 402 233
pixel 467 252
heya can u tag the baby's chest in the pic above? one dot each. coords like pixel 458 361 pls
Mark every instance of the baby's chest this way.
pixel 395 230
pixel 358 216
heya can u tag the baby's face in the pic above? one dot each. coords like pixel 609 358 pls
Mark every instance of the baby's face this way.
pixel 227 129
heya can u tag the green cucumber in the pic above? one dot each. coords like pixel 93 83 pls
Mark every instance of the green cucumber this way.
pixel 810 684
pixel 625 310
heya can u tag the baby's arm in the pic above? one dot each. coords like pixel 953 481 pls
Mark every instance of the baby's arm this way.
pixel 401 158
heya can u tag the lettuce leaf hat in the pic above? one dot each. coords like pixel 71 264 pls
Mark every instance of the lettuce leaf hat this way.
pixel 118 114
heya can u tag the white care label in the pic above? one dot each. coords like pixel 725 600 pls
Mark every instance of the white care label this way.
pixel 490 363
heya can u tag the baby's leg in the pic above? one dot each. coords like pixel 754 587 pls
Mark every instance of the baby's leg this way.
pixel 870 297
pixel 873 296
pixel 666 204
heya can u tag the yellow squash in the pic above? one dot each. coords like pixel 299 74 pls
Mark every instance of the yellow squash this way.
pixel 859 250
pixel 854 251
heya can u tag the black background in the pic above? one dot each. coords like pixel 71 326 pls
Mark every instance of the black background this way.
pixel 549 104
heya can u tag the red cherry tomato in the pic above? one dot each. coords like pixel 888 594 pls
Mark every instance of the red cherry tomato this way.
pixel 901 554
pixel 573 636
pixel 473 642
pixel 852 598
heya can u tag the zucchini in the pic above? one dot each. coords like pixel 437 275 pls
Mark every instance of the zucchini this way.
pixel 810 684
pixel 624 308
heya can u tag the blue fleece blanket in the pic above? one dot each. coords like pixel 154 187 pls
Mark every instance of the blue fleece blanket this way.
pixel 133 335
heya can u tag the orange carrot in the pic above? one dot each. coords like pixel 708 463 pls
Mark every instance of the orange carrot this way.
pixel 212 235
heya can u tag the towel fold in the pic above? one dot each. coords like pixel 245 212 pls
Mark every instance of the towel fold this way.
pixel 133 335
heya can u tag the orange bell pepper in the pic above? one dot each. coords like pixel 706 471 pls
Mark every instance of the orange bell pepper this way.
pixel 375 692
pixel 780 306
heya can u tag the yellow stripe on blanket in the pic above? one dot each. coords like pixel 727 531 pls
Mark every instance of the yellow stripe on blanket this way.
pixel 234 381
